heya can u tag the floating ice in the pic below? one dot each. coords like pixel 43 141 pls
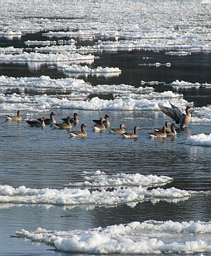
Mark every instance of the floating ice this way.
pixel 183 84
pixel 101 179
pixel 178 29
pixel 148 237
pixel 40 57
pixel 88 71
pixel 126 190
pixel 199 140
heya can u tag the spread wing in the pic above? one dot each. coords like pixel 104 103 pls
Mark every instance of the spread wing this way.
pixel 174 112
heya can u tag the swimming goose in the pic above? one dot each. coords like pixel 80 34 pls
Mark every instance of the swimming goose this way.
pixel 79 134
pixel 73 120
pixel 176 114
pixel 99 127
pixel 37 123
pixel 160 129
pixel 17 118
pixel 120 130
pixel 67 125
pixel 132 135
pixel 159 134
pixel 49 121
pixel 172 132
pixel 106 122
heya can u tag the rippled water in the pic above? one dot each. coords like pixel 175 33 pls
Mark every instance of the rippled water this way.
pixel 49 158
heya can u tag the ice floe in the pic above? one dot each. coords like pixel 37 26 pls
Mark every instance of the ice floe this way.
pixel 89 71
pixel 199 140
pixel 126 189
pixel 148 237
pixel 178 28
pixel 39 57
pixel 101 179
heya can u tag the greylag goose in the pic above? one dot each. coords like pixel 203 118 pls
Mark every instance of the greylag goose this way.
pixel 17 118
pixel 37 123
pixel 106 122
pixel 132 135
pixel 120 130
pixel 176 114
pixel 73 120
pixel 79 134
pixel 67 125
pixel 51 120
pixel 172 132
pixel 160 129
pixel 99 127
pixel 161 134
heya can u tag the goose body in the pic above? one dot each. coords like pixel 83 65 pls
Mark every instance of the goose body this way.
pixel 17 118
pixel 120 130
pixel 51 120
pixel 99 127
pixel 79 134
pixel 176 114
pixel 173 132
pixel 37 123
pixel 160 134
pixel 73 120
pixel 106 122
pixel 166 125
pixel 67 125
pixel 132 135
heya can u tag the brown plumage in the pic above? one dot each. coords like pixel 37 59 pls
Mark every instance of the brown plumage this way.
pixel 106 122
pixel 51 120
pixel 120 130
pixel 99 127
pixel 160 129
pixel 67 125
pixel 134 135
pixel 73 120
pixel 37 123
pixel 17 118
pixel 161 134
pixel 79 134
pixel 172 132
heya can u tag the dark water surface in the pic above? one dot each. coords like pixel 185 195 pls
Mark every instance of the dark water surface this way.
pixel 49 158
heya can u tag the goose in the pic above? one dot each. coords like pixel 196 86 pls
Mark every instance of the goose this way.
pixel 73 120
pixel 51 120
pixel 160 129
pixel 79 134
pixel 172 132
pixel 176 114
pixel 99 127
pixel 132 135
pixel 160 134
pixel 120 130
pixel 17 118
pixel 37 123
pixel 67 125
pixel 106 122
